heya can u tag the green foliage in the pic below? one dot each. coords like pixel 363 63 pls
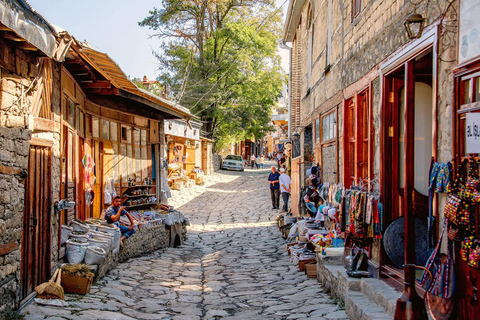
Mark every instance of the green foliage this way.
pixel 219 59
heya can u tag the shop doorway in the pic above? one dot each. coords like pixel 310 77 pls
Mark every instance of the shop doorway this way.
pixel 407 144
pixel 35 264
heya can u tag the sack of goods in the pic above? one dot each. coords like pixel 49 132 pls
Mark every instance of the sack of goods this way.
pixel 80 226
pixel 66 231
pixel 101 243
pixel 94 255
pixel 76 250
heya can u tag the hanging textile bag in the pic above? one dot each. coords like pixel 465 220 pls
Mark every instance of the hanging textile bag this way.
pixel 452 208
pixel 441 267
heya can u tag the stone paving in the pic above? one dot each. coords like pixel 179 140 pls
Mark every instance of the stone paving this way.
pixel 233 266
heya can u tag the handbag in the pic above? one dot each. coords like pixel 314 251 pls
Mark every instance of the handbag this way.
pixel 440 265
pixel 452 207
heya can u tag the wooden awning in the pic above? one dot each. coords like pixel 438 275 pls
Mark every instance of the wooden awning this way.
pixel 100 76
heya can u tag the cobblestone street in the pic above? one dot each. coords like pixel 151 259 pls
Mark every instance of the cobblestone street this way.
pixel 233 265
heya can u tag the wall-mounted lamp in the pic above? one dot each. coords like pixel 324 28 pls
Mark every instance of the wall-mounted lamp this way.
pixel 414 26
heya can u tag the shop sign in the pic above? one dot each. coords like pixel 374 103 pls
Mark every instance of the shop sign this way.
pixel 472 134
pixel 181 129
pixel 469 31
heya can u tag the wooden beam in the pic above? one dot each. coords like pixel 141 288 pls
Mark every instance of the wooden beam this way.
pixel 409 189
pixel 102 84
pixel 127 106
pixel 12 37
pixel 28 47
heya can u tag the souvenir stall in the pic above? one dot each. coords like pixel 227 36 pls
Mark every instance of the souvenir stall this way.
pixel 462 206
pixel 184 164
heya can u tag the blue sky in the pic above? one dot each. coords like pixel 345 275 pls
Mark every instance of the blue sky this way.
pixel 111 26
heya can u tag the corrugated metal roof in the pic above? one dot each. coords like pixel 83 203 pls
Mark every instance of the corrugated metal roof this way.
pixel 108 68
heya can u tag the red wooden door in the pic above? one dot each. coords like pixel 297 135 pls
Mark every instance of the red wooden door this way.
pixel 36 246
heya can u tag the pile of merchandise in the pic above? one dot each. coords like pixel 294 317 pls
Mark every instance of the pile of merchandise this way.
pixel 178 178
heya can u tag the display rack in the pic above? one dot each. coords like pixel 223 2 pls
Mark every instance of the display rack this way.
pixel 131 199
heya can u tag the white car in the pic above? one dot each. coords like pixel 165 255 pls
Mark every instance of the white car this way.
pixel 233 162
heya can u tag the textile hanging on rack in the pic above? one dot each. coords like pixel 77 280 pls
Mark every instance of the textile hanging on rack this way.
pixel 460 211
pixel 440 176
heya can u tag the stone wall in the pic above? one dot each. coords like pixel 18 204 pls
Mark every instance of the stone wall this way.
pixel 17 72
pixel 217 161
pixel 14 148
pixel 143 241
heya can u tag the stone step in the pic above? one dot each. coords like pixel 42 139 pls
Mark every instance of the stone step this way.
pixel 359 307
pixel 380 293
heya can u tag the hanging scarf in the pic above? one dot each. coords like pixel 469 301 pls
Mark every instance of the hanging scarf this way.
pixel 377 233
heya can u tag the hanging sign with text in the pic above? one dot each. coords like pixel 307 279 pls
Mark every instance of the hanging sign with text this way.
pixel 472 134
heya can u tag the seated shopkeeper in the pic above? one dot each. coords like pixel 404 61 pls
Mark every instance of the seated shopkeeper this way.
pixel 113 214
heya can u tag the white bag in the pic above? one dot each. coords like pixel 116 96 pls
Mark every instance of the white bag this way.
pixel 79 226
pixel 79 235
pixel 115 232
pixel 76 251
pixel 101 243
pixel 94 255
pixel 116 240
pixel 66 231
pixel 105 236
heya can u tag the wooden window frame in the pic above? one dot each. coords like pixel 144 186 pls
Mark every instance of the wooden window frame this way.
pixel 326 115
pixel 359 143
pixel 356 8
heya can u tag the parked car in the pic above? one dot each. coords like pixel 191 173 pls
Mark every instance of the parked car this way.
pixel 233 162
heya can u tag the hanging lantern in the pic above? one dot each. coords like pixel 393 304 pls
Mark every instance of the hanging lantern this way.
pixel 414 26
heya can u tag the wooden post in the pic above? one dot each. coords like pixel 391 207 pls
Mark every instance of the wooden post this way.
pixel 409 189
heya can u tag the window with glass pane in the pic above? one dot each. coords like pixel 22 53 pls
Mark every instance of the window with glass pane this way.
pixel 476 90
pixel 95 127
pixel 317 129
pixel 129 135
pixel 71 113
pixel 329 127
pixel 82 122
pixel 130 163
pixel 144 162
pixel 136 136
pixel 113 131
pixel 123 162
pixel 105 130
pixel 467 92
pixel 144 138
pixel 115 163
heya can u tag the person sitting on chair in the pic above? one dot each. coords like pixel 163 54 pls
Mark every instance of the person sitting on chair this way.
pixel 113 214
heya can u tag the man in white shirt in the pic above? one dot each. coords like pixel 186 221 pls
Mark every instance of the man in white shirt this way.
pixel 285 182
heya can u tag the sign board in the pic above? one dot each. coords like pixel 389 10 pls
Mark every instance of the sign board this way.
pixel 180 129
pixel 472 133
pixel 469 31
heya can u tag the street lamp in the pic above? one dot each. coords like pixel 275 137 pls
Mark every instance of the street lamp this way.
pixel 414 26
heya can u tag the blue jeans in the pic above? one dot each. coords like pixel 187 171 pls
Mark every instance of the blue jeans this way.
pixel 125 230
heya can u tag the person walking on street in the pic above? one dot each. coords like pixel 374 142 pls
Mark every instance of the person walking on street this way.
pixel 285 182
pixel 273 180
pixel 282 162
pixel 262 161
pixel 257 162
pixel 252 161
pixel 278 157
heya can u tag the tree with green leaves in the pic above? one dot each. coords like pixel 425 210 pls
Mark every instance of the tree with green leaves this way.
pixel 219 59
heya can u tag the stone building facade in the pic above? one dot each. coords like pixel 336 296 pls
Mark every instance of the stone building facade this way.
pixel 56 108
pixel 19 71
pixel 353 64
